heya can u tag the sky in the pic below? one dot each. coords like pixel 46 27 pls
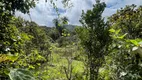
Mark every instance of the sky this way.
pixel 44 13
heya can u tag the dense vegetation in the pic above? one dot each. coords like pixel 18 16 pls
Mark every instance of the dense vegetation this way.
pixel 97 50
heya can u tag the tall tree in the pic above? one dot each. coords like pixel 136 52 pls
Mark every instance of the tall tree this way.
pixel 94 37
pixel 126 31
pixel 64 20
pixel 129 20
pixel 59 24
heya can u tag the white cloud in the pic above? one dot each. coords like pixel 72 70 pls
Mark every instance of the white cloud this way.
pixel 108 12
pixel 113 5
pixel 43 13
pixel 75 12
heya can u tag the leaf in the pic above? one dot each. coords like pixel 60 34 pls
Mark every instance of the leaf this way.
pixel 117 31
pixel 7 57
pixel 134 42
pixel 20 74
pixel 112 30
pixel 3 58
pixel 31 67
pixel 121 37
pixel 12 57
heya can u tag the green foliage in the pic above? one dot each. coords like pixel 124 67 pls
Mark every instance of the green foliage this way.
pixel 128 19
pixel 20 74
pixel 65 58
pixel 54 34
pixel 55 53
pixel 125 63
pixel 124 59
pixel 94 38
pixel 13 5
pixel 21 47
pixel 59 24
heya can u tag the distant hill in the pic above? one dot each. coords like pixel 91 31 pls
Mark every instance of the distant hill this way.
pixel 70 27
pixel 67 26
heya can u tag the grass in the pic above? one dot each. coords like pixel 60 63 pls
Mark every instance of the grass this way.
pixel 60 58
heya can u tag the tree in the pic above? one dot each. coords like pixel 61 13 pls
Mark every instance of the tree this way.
pixel 59 24
pixel 64 20
pixel 124 63
pixel 12 40
pixel 9 31
pixel 129 20
pixel 94 37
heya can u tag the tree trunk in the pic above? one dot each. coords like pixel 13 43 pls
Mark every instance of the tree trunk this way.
pixel 93 70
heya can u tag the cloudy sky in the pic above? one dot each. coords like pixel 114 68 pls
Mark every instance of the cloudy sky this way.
pixel 44 13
